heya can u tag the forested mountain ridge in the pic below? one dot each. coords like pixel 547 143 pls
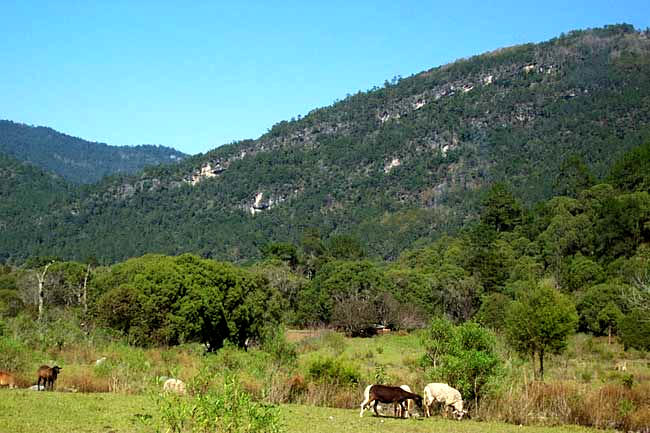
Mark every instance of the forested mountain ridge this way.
pixel 394 166
pixel 76 160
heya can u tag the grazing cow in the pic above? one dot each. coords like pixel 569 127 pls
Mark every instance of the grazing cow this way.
pixel 174 385
pixel 48 375
pixel 441 393
pixel 7 379
pixel 397 409
pixel 387 395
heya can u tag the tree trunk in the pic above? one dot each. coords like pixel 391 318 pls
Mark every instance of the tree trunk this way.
pixel 41 291
pixel 541 364
pixel 84 295
pixel 609 334
pixel 532 358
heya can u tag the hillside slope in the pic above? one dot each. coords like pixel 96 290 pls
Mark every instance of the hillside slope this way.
pixel 74 159
pixel 394 166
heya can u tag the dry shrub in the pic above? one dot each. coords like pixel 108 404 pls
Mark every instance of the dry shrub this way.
pixel 610 406
pixel 251 386
pixel 347 398
pixel 285 388
pixel 639 421
pixel 554 402
pixel 278 389
pixel 320 394
pixel 81 380
pixel 297 387
pixel 22 381
pixel 331 395
pixel 85 383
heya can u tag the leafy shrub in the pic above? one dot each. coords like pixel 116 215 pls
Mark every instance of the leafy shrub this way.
pixel 463 356
pixel 14 355
pixel 381 376
pixel 634 331
pixel 492 313
pixel 10 303
pixel 627 380
pixel 227 409
pixel 334 370
pixel 274 342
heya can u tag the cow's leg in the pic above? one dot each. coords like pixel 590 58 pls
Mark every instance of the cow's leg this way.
pixel 375 407
pixel 405 410
pixel 366 403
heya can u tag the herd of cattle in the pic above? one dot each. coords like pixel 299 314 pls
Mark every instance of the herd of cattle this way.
pixel 402 399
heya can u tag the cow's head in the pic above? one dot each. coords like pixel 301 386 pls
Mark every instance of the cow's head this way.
pixel 460 414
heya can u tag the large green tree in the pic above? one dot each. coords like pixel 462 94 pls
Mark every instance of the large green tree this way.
pixel 539 321
pixel 168 300
pixel 501 210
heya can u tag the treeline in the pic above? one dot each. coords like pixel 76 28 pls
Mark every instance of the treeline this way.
pixel 590 251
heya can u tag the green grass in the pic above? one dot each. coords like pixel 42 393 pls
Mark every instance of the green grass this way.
pixel 57 412
pixel 326 420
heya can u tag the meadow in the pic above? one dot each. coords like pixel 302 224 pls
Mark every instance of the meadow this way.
pixel 22 412
pixel 313 381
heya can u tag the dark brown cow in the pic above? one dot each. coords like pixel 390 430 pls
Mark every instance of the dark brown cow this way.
pixel 48 375
pixel 388 395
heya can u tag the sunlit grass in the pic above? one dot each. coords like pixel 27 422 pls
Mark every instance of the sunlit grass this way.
pixel 57 412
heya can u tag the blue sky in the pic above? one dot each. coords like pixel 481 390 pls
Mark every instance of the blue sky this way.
pixel 195 75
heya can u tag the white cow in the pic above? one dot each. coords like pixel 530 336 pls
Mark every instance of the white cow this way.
pixel 441 393
pixel 174 385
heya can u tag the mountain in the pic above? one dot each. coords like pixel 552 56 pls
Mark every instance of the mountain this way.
pixel 74 159
pixel 394 166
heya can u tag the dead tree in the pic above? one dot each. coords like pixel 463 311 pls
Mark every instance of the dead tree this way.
pixel 41 289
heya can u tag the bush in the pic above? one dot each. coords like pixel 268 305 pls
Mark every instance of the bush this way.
pixel 634 331
pixel 10 303
pixel 14 355
pixel 274 342
pixel 227 409
pixel 492 313
pixel 334 370
pixel 463 356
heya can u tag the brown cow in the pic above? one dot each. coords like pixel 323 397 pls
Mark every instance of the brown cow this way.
pixel 48 375
pixel 388 394
pixel 7 379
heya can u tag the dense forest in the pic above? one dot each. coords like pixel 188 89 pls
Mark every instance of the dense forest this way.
pixel 75 160
pixel 592 250
pixel 395 167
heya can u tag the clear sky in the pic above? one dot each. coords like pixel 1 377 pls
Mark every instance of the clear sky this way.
pixel 197 74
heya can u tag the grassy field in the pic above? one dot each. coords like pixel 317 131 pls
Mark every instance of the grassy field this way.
pixel 59 412
pixel 582 386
